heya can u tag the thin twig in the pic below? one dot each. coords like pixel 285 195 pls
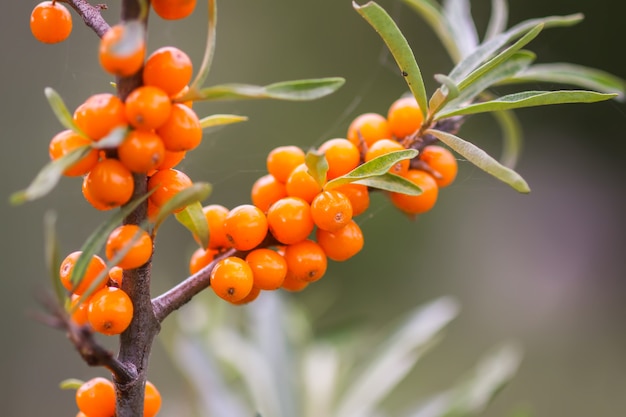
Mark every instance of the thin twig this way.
pixel 91 15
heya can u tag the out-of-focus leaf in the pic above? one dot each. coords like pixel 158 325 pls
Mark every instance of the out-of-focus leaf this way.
pixel 49 176
pixel 512 137
pixel 431 13
pixel 397 44
pixel 475 392
pixel 374 168
pixel 320 374
pixel 461 25
pixel 193 218
pixel 317 166
pixel 578 75
pixel 209 49
pixel 197 192
pixel 53 258
pixel 392 183
pixel 60 111
pixel 488 49
pixel 396 357
pixel 113 139
pixel 71 383
pixel 498 19
pixel 482 160
pixel 298 90
pixel 529 99
pixel 220 120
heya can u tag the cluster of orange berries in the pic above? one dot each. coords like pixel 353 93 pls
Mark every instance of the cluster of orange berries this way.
pixel 96 398
pixel 290 206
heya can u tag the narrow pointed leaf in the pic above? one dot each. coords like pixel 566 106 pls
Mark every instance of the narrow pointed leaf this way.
pixel 60 111
pixel 193 218
pixel 71 383
pixel 448 92
pixel 209 49
pixel 512 137
pixel 482 160
pixel 376 167
pixel 317 166
pixel 113 139
pixel 384 25
pixel 488 49
pixel 49 176
pixel 298 90
pixel 392 183
pixel 529 99
pixel 498 19
pixel 53 258
pixel 577 75
pixel 220 120
pixel 431 13
pixel 197 192
pixel 461 24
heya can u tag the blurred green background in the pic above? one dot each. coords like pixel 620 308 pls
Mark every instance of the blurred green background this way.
pixel 545 269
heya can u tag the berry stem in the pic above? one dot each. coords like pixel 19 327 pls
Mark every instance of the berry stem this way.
pixel 91 15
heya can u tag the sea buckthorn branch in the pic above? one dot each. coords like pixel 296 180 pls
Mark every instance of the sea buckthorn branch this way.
pixel 91 15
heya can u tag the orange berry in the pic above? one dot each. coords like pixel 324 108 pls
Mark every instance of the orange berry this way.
pixel 110 311
pixel 292 284
pixel 99 114
pixel 173 9
pixel 301 184
pixel 342 156
pixel 385 146
pixel 50 22
pixel 147 107
pixel 181 131
pixel 95 204
pixel 245 227
pixel 442 161
pixel 252 295
pixel 283 160
pixel 331 210
pixel 232 279
pixel 306 261
pixel 201 258
pixel 416 204
pixel 171 159
pixel 118 54
pixel 141 151
pixel 404 117
pixel 152 400
pixel 110 184
pixel 167 183
pixel 116 276
pixel 290 220
pixel 266 191
pixel 215 216
pixel 341 244
pixel 369 127
pixel 140 249
pixel 96 267
pixel 168 68
pixel 96 398
pixel 65 142
pixel 79 310
pixel 358 195
pixel 269 268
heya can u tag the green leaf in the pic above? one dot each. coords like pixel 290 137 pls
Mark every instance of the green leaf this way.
pixel 209 50
pixel 113 139
pixel 96 241
pixel 498 19
pixel 529 99
pixel 53 258
pixel 461 24
pixel 448 92
pixel 221 119
pixel 431 13
pixel 374 168
pixel 391 182
pixel 317 166
pixel 488 49
pixel 298 90
pixel 49 176
pixel 482 160
pixel 378 18
pixel 398 354
pixel 193 218
pixel 511 137
pixel 578 75
pixel 197 192
pixel 71 383
pixel 61 111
